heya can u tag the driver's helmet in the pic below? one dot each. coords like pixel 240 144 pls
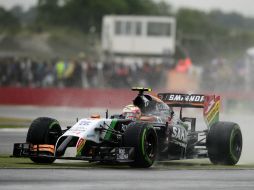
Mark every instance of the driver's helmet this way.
pixel 131 112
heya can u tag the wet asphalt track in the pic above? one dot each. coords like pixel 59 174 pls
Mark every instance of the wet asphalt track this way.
pixel 122 178
pixel 108 179
pixel 67 116
pixel 7 138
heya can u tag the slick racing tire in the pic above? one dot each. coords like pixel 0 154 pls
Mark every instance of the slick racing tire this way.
pixel 143 138
pixel 43 130
pixel 224 143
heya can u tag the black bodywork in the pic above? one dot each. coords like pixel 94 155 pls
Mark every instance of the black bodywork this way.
pixel 169 128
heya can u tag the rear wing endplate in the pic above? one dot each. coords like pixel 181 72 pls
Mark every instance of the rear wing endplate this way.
pixel 209 103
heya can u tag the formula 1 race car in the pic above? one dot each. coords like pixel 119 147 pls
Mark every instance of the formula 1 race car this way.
pixel 140 141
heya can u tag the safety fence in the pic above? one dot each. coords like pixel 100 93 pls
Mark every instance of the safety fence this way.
pixel 66 97
pixel 103 98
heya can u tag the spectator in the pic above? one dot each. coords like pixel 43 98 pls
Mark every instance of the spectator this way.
pixel 83 73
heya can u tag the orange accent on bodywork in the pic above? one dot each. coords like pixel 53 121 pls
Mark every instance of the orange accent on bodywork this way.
pixel 95 116
pixel 43 147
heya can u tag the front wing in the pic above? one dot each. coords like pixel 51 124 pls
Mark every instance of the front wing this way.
pixel 110 154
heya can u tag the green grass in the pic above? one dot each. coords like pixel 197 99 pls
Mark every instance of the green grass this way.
pixel 6 122
pixel 12 126
pixel 9 119
pixel 10 162
pixel 196 164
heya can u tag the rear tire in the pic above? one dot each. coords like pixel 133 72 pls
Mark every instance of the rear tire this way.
pixel 224 143
pixel 143 138
pixel 43 130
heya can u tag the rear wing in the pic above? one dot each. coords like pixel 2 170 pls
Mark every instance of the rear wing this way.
pixel 209 103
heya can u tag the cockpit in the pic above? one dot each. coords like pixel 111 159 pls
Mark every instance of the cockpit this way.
pixel 153 106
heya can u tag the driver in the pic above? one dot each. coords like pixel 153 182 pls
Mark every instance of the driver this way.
pixel 131 112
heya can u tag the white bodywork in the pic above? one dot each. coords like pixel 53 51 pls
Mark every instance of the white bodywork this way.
pixel 85 129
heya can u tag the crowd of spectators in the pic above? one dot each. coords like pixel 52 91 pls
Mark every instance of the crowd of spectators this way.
pixel 218 75
pixel 223 75
pixel 80 73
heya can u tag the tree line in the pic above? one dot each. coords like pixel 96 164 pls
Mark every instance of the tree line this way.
pixel 200 33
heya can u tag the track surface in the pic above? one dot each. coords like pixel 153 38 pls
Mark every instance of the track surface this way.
pixel 28 179
pixel 67 116
pixel 120 178
pixel 9 137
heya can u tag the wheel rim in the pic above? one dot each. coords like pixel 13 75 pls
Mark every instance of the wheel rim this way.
pixel 150 146
pixel 237 146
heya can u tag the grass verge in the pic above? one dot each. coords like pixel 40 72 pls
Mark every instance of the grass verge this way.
pixel 9 162
pixel 12 126
pixel 197 164
pixel 6 122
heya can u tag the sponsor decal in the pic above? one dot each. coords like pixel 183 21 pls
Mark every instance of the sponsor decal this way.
pixel 122 154
pixel 81 126
pixel 189 98
pixel 179 134
pixel 85 122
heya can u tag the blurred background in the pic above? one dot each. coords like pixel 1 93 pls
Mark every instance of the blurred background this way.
pixel 171 45
pixel 68 59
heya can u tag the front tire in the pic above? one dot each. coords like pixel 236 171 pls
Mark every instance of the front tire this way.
pixel 143 138
pixel 224 143
pixel 43 130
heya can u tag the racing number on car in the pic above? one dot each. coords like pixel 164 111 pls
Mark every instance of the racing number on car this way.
pixel 179 134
